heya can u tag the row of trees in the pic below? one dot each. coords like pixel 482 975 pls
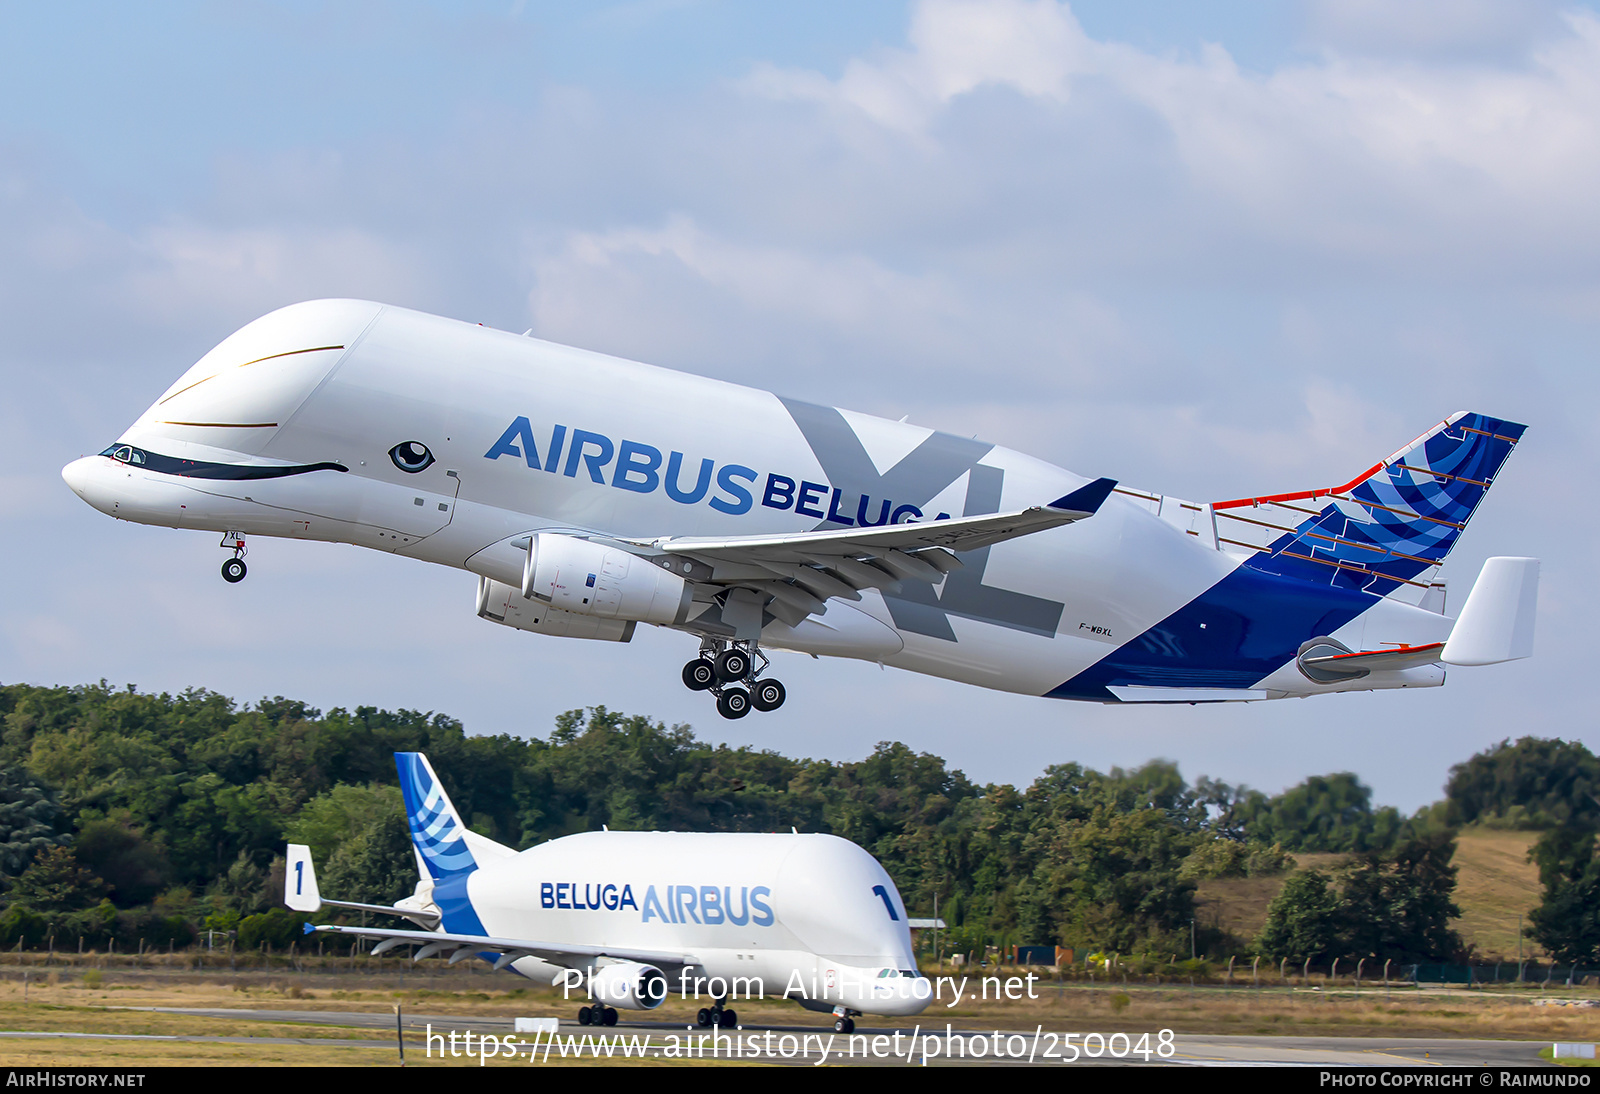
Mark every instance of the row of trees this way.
pixel 1395 904
pixel 121 812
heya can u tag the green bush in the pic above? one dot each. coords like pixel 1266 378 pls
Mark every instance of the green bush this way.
pixel 276 928
pixel 20 922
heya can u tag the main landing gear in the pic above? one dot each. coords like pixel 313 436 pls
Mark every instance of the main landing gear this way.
pixel 717 1015
pixel 721 666
pixel 234 569
pixel 597 1016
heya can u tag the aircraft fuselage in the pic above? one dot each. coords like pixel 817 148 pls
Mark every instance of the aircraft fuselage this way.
pixel 354 422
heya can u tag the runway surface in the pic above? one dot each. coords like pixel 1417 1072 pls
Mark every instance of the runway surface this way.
pixel 914 1045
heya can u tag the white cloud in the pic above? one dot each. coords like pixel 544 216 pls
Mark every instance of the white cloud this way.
pixel 1374 158
pixel 1430 28
pixel 182 266
pixel 957 46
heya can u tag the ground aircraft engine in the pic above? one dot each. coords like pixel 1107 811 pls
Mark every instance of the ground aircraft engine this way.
pixel 629 986
pixel 505 604
pixel 587 578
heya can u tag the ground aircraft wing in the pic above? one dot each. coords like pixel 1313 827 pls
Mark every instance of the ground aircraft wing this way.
pixel 417 915
pixel 459 946
pixel 794 574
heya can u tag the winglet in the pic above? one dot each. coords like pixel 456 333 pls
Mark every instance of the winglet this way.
pixel 1086 499
pixel 300 880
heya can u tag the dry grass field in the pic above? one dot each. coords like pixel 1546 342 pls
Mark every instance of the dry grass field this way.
pixel 1495 884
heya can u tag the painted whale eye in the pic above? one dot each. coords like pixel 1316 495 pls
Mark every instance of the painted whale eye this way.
pixel 411 456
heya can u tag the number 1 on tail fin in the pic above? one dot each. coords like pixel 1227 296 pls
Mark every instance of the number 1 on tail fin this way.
pixel 300 880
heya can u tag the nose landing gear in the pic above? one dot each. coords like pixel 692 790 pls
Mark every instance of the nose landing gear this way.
pixel 720 666
pixel 234 569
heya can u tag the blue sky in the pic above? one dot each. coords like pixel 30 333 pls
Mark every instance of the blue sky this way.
pixel 1208 249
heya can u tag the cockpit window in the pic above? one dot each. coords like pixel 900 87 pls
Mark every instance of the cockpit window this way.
pixel 201 469
pixel 125 453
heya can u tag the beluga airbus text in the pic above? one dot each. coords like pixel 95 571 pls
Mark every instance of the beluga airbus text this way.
pixel 590 494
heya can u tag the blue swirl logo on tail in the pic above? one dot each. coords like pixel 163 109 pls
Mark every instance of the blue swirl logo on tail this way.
pixel 436 829
pixel 1403 517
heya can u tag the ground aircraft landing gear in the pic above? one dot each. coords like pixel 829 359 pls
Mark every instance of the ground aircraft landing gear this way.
pixel 234 569
pixel 597 1016
pixel 717 1015
pixel 844 1020
pixel 721 665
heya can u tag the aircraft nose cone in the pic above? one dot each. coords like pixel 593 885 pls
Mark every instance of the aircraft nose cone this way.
pixel 88 479
pixel 78 476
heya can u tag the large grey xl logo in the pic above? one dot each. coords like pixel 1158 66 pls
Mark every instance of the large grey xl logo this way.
pixel 917 479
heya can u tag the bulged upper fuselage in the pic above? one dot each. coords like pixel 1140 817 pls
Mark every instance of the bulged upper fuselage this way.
pixel 355 422
pixel 810 917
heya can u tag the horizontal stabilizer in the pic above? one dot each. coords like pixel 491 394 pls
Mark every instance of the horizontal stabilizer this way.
pixel 1359 663
pixel 1497 623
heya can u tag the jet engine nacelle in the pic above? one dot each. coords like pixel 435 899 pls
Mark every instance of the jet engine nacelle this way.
pixel 505 604
pixel 587 578
pixel 629 986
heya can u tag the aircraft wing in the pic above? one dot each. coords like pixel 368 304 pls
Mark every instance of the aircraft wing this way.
pixel 795 573
pixel 459 946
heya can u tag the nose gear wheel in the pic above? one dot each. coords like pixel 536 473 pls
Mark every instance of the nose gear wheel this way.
pixel 234 569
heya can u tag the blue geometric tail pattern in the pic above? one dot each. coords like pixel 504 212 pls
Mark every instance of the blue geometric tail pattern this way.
pixel 436 828
pixel 1386 527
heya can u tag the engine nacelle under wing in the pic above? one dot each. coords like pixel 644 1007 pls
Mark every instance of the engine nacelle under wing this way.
pixel 587 578
pixel 630 986
pixel 501 603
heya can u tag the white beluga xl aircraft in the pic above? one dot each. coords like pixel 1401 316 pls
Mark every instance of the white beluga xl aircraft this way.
pixel 590 494
pixel 623 918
